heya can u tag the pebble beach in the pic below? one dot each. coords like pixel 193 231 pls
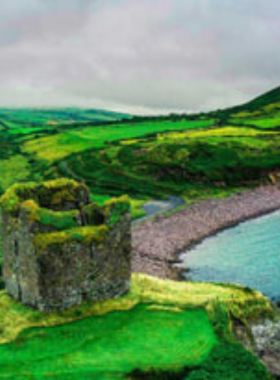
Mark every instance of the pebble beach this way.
pixel 157 243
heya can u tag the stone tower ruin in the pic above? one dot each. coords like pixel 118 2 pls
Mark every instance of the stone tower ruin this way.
pixel 59 249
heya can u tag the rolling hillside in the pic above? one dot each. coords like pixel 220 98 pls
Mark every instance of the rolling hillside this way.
pixel 160 330
pixel 25 120
pixel 261 112
pixel 192 156
pixel 144 157
pixel 269 98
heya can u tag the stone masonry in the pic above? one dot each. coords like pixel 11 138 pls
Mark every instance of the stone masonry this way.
pixel 59 249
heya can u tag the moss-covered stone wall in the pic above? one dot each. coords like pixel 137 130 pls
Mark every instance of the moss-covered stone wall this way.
pixel 59 249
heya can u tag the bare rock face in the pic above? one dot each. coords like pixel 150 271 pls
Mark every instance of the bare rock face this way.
pixel 267 345
pixel 263 340
pixel 59 249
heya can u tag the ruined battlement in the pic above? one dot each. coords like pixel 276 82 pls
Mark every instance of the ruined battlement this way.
pixel 59 249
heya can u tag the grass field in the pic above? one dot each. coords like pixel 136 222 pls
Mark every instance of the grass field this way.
pixel 262 122
pixel 191 156
pixel 62 145
pixel 22 117
pixel 177 163
pixel 186 155
pixel 183 328
pixel 159 326
pixel 116 343
pixel 13 170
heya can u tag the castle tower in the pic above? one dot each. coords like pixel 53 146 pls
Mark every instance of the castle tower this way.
pixel 59 249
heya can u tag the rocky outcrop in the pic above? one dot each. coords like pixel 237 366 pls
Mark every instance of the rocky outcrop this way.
pixel 266 338
pixel 59 249
pixel 262 338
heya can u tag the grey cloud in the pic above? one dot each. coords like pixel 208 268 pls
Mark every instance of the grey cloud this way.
pixel 138 54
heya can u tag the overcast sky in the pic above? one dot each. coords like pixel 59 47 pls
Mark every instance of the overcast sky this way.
pixel 138 55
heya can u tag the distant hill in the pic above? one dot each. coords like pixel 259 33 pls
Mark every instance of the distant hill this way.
pixel 58 116
pixel 265 103
pixel 268 98
pixel 261 112
pixel 145 157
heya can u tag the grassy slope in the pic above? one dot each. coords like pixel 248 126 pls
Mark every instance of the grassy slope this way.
pixel 165 156
pixel 262 112
pixel 62 145
pixel 183 163
pixel 190 319
pixel 144 160
pixel 19 119
pixel 92 154
pixel 118 342
pixel 203 155
pixel 264 100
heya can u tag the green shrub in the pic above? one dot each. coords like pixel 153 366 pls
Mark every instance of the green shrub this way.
pixel 230 362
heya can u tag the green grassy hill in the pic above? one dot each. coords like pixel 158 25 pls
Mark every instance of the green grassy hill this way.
pixel 264 100
pixel 26 120
pixel 261 112
pixel 160 330
pixel 184 155
pixel 191 156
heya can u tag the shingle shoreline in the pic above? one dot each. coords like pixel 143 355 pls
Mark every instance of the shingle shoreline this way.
pixel 157 243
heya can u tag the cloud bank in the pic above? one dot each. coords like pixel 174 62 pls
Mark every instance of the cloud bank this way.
pixel 139 56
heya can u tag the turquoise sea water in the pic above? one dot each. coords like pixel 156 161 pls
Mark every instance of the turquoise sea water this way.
pixel 248 254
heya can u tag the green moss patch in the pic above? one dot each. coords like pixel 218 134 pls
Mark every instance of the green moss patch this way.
pixel 55 191
pixel 59 220
pixel 115 209
pixel 86 235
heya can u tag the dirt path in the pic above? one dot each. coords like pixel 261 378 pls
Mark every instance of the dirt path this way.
pixel 157 242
